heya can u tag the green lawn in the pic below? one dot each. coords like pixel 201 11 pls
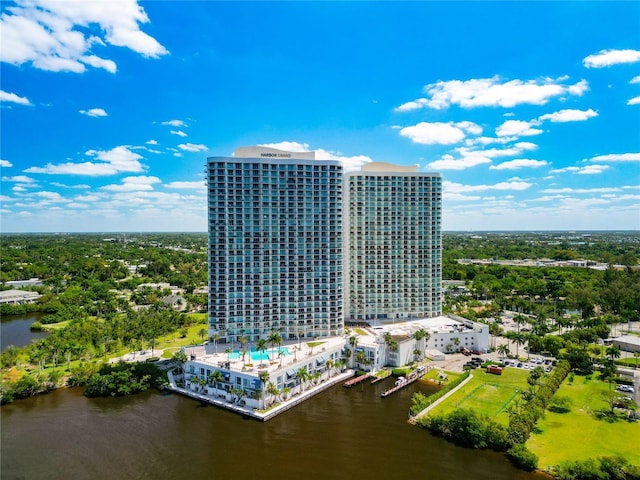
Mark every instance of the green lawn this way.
pixel 487 393
pixel 579 434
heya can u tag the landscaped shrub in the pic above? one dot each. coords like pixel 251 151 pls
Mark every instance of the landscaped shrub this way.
pixel 522 457
pixel 468 429
pixel 602 468
pixel 400 372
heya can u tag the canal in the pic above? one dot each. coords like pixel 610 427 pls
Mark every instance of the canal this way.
pixel 339 434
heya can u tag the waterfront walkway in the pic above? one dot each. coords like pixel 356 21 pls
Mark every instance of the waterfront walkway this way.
pixel 271 412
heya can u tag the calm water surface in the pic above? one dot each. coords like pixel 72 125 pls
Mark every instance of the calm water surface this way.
pixel 15 330
pixel 339 434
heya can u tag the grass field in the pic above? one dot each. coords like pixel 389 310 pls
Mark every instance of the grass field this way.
pixel 579 434
pixel 488 394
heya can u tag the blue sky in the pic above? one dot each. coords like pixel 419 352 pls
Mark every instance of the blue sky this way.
pixel 531 111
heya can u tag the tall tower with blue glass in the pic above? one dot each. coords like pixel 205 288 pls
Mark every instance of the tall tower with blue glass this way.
pixel 275 245
pixel 393 242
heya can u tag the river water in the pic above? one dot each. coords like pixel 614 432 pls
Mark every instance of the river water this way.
pixel 15 330
pixel 339 434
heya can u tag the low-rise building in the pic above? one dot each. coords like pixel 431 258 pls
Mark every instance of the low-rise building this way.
pixel 627 343
pixel 16 297
pixel 396 344
pixel 252 378
pixel 32 282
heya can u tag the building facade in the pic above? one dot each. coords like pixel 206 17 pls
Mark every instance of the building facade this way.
pixel 275 245
pixel 393 243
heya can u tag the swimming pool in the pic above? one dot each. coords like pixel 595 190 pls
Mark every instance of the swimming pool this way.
pixel 257 356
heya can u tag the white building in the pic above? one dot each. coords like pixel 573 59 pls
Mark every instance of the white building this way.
pixel 627 343
pixel 246 379
pixel 446 334
pixel 15 297
pixel 393 243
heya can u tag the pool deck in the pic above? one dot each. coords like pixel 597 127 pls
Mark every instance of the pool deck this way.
pixel 271 412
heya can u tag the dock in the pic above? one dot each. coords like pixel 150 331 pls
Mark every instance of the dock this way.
pixel 355 381
pixel 379 379
pixel 413 376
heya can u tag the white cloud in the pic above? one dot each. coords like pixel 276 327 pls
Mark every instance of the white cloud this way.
pixel 175 123
pixel 617 157
pixel 192 147
pixel 61 36
pixel 634 101
pixel 586 170
pixel 19 179
pixel 62 185
pixel 448 162
pixel 151 142
pixel 606 58
pixel 118 159
pixel 517 128
pixel 440 133
pixel 94 112
pixel 349 163
pixel 180 133
pixel 13 98
pixel 288 146
pixel 519 163
pixel 635 79
pixel 5 163
pixel 492 92
pixel 97 62
pixel 516 185
pixel 133 184
pixel 50 196
pixel 582 190
pixel 201 185
pixel 569 115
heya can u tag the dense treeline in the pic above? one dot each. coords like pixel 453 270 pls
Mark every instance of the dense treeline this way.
pixel 609 247
pixel 99 262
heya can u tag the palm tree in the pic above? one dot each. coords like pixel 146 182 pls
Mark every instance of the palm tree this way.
pixel 360 357
pixel 215 337
pixel 272 390
pixel 503 350
pixel 353 341
pixel 302 376
pixel 456 342
pixel 416 354
pixel 180 358
pixel 274 339
pixel 613 352
pixel 202 332
pixel 421 334
pixel 264 376
pixel 215 378
pixel 243 341
pixel 329 364
pixel 261 346
pixel 228 352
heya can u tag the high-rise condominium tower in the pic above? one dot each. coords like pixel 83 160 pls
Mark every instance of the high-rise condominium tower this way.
pixel 275 245
pixel 393 243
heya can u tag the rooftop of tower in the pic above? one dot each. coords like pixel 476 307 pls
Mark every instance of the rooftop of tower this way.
pixel 268 152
